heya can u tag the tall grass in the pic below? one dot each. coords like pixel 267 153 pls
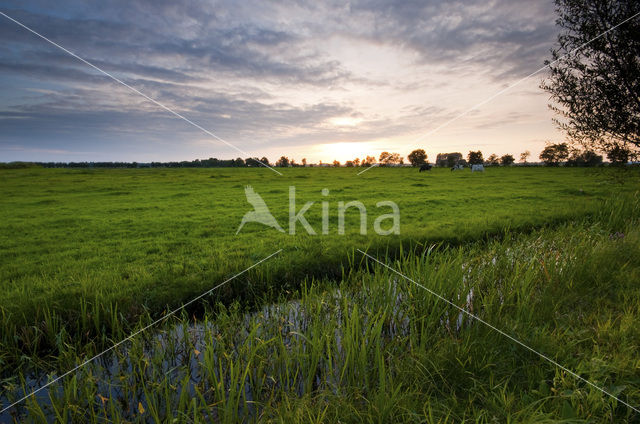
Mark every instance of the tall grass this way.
pixel 150 239
pixel 374 347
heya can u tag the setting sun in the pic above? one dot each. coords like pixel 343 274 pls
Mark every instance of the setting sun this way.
pixel 345 151
pixel 345 121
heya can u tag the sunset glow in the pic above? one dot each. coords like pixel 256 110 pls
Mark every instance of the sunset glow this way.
pixel 302 81
pixel 345 151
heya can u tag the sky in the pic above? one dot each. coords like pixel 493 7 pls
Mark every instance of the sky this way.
pixel 305 79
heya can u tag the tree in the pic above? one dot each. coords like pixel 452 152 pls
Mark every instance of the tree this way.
pixel 524 156
pixel 264 160
pixel 336 163
pixel 584 158
pixel 370 160
pixel 591 158
pixel 387 158
pixel 507 160
pixel 238 162
pixel 304 161
pixel 417 157
pixel 252 162
pixel 283 162
pixel 618 154
pixel 553 154
pixel 475 158
pixel 356 162
pixel 493 160
pixel 349 164
pixel 595 78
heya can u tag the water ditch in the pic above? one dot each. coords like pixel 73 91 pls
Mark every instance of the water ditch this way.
pixel 185 355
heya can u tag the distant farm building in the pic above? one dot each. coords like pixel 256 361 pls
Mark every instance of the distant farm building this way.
pixel 450 159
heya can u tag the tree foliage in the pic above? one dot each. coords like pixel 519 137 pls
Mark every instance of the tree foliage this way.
pixel 507 160
pixel 387 158
pixel 584 158
pixel 417 157
pixel 475 158
pixel 493 160
pixel 618 154
pixel 553 154
pixel 368 161
pixel 595 79
pixel 283 162
pixel 253 162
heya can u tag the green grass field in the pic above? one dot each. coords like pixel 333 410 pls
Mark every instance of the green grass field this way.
pixel 89 255
pixel 157 237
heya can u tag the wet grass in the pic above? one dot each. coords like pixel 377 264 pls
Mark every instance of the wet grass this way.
pixel 132 240
pixel 373 347
pixel 152 238
pixel 89 256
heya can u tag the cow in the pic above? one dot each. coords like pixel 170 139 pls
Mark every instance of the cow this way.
pixel 477 168
pixel 425 167
pixel 457 167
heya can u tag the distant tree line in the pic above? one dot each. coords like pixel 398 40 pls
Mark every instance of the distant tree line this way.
pixel 19 165
pixel 197 163
pixel 551 155
pixel 555 154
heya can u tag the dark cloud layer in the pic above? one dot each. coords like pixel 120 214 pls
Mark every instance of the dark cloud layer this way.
pixel 224 63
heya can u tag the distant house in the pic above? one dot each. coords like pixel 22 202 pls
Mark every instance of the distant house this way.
pixel 450 159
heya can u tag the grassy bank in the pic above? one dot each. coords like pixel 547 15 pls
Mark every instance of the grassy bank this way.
pixel 137 239
pixel 373 347
pixel 85 253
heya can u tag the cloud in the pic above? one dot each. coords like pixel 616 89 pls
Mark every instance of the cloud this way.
pixel 148 48
pixel 258 72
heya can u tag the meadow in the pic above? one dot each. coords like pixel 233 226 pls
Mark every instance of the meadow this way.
pixel 320 333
